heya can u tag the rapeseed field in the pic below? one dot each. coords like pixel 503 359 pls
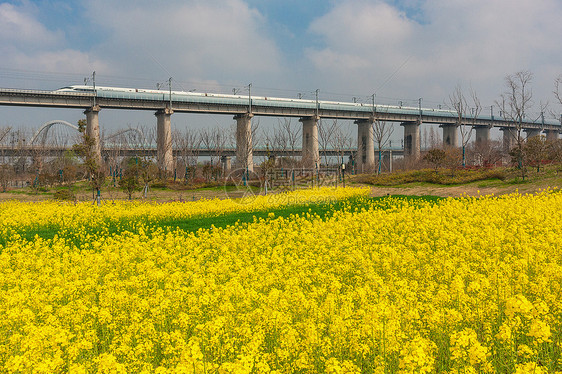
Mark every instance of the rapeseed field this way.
pixel 466 285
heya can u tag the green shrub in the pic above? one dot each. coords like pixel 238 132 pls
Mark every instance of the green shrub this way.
pixel 64 194
pixel 441 176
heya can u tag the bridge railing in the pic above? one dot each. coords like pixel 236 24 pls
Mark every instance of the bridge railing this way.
pixel 233 104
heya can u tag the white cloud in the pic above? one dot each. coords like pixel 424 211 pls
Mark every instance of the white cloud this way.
pixel 365 45
pixel 20 28
pixel 27 44
pixel 474 42
pixel 195 40
pixel 360 25
pixel 60 61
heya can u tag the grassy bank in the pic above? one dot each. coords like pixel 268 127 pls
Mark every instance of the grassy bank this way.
pixel 484 177
pixel 221 220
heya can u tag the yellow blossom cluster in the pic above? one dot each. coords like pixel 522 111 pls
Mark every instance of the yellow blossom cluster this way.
pixel 16 217
pixel 467 285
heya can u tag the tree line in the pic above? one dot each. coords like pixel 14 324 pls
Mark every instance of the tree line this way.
pixel 139 172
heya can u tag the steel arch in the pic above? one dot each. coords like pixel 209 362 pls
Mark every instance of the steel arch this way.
pixel 139 133
pixel 47 126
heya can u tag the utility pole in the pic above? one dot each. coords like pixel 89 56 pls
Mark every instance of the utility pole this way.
pixel 250 98
pixel 94 83
pixel 317 102
pixel 170 87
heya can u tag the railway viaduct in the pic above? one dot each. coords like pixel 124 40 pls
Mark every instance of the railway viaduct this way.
pixel 243 109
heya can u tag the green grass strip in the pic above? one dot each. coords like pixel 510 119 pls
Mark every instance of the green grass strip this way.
pixel 193 224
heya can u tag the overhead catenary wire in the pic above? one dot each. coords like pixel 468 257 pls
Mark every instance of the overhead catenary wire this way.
pixel 64 79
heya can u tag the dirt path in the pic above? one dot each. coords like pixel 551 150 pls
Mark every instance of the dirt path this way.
pixel 155 195
pixel 190 195
pixel 456 191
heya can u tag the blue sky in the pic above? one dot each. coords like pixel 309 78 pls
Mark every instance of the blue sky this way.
pixel 399 49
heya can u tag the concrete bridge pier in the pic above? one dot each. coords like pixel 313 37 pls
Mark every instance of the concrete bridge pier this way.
pixel 164 154
pixel 531 133
pixel 226 165
pixel 93 131
pixel 411 141
pixel 365 146
pixel 509 138
pixel 244 151
pixel 551 135
pixel 450 135
pixel 482 136
pixel 310 153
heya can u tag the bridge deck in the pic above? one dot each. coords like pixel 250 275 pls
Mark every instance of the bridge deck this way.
pixel 260 106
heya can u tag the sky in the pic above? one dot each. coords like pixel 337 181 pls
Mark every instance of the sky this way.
pixel 399 50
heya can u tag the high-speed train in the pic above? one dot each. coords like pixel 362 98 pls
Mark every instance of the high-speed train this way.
pixel 142 93
pixel 90 89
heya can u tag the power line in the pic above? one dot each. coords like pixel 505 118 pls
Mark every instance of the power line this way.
pixel 393 74
pixel 203 86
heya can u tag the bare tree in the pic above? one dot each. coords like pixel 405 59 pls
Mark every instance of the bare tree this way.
pixel 140 138
pixel 535 150
pixel 267 166
pixel 286 137
pixel 130 181
pixel 558 88
pixel 6 173
pixel 214 140
pixel 275 146
pixel 555 151
pixel 148 172
pixel 280 140
pixel 434 139
pixel 326 132
pixel 188 144
pixel 143 142
pixel 221 140
pixel 19 156
pixel 294 134
pixel 475 110
pixel 341 140
pixel 436 157
pixel 381 133
pixel 486 154
pixel 207 142
pixel 276 141
pixel 94 168
pixel 4 133
pixel 458 103
pixel 515 102
pixel 114 147
pixel 3 137
pixel 268 138
pixel 6 170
